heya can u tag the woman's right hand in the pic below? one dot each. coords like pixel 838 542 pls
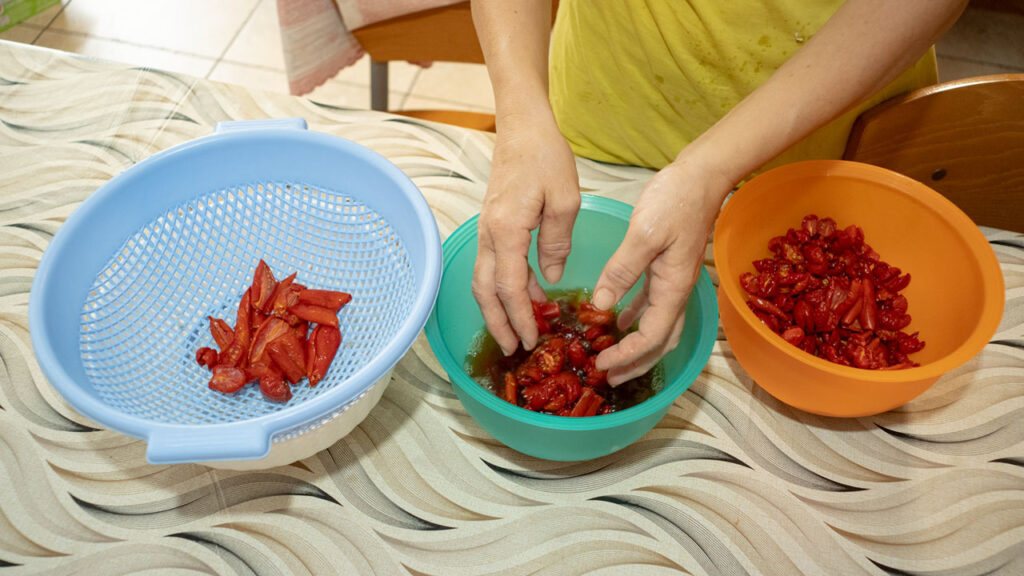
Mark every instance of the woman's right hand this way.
pixel 533 183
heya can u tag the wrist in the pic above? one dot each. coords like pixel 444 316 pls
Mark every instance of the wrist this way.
pixel 522 106
pixel 715 174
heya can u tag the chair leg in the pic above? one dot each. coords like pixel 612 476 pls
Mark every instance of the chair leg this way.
pixel 378 85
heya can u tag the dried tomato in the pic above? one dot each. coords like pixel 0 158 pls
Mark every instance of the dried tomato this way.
pixel 548 310
pixel 593 332
pixel 315 314
pixel 511 388
pixel 263 284
pixel 588 404
pixel 233 356
pixel 559 376
pixel 222 333
pixel 594 377
pixel 321 347
pixel 542 313
pixel 577 354
pixel 243 321
pixel 231 349
pixel 325 298
pixel 206 357
pixel 272 340
pixel 591 315
pixel 272 329
pixel 288 354
pixel 227 379
pixel 602 342
pixel 829 293
pixel 550 356
pixel 275 388
pixel 278 303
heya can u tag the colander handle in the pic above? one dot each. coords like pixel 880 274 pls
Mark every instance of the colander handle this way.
pixel 266 124
pixel 177 444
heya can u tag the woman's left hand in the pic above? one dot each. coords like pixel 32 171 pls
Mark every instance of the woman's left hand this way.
pixel 666 239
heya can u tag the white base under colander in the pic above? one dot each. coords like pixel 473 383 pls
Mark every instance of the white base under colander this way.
pixel 320 438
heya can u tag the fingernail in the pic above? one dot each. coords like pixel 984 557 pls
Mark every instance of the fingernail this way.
pixel 603 299
pixel 553 273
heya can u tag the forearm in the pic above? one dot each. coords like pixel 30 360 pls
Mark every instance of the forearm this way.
pixel 514 37
pixel 863 47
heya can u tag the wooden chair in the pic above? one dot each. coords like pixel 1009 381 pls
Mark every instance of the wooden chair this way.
pixel 964 139
pixel 443 34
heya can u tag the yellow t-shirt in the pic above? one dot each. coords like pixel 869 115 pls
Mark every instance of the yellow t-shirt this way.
pixel 634 81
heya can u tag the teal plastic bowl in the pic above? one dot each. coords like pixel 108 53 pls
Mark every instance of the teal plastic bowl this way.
pixel 456 320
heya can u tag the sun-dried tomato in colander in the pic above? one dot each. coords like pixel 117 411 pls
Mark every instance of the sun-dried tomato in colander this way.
pixel 829 293
pixel 559 375
pixel 284 332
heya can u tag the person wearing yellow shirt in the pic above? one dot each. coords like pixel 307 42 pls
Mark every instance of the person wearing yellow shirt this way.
pixel 706 92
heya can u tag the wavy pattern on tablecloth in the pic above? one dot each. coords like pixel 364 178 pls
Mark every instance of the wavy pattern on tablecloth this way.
pixel 730 482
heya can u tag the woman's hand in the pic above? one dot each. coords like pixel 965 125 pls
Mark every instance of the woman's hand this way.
pixel 533 183
pixel 666 239
pixel 533 180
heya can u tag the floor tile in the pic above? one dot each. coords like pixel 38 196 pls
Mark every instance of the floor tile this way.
pixel 254 77
pixel 126 53
pixel 44 18
pixel 259 42
pixel 191 26
pixel 956 69
pixel 455 82
pixel 981 35
pixel 23 33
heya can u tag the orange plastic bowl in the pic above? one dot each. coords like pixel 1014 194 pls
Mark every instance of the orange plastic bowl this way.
pixel 955 294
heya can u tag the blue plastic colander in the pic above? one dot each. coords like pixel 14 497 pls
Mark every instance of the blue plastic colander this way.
pixel 119 304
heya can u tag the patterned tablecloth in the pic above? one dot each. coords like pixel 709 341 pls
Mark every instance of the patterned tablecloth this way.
pixel 730 482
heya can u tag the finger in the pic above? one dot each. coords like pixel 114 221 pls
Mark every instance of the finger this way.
pixel 487 298
pixel 537 294
pixel 656 326
pixel 641 366
pixel 554 239
pixel 621 374
pixel 636 307
pixel 635 345
pixel 624 267
pixel 511 282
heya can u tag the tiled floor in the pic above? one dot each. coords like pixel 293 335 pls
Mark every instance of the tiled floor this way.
pixel 238 41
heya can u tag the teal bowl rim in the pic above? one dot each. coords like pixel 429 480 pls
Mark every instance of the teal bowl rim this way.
pixel 704 291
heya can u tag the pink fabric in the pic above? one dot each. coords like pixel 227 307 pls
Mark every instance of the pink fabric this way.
pixel 315 34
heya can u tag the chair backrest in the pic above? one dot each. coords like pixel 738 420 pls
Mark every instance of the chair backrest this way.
pixel 444 34
pixel 964 139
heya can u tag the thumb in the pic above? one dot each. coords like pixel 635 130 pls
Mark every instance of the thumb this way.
pixel 623 269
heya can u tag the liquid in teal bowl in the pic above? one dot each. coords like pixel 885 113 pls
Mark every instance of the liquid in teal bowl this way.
pixel 456 321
